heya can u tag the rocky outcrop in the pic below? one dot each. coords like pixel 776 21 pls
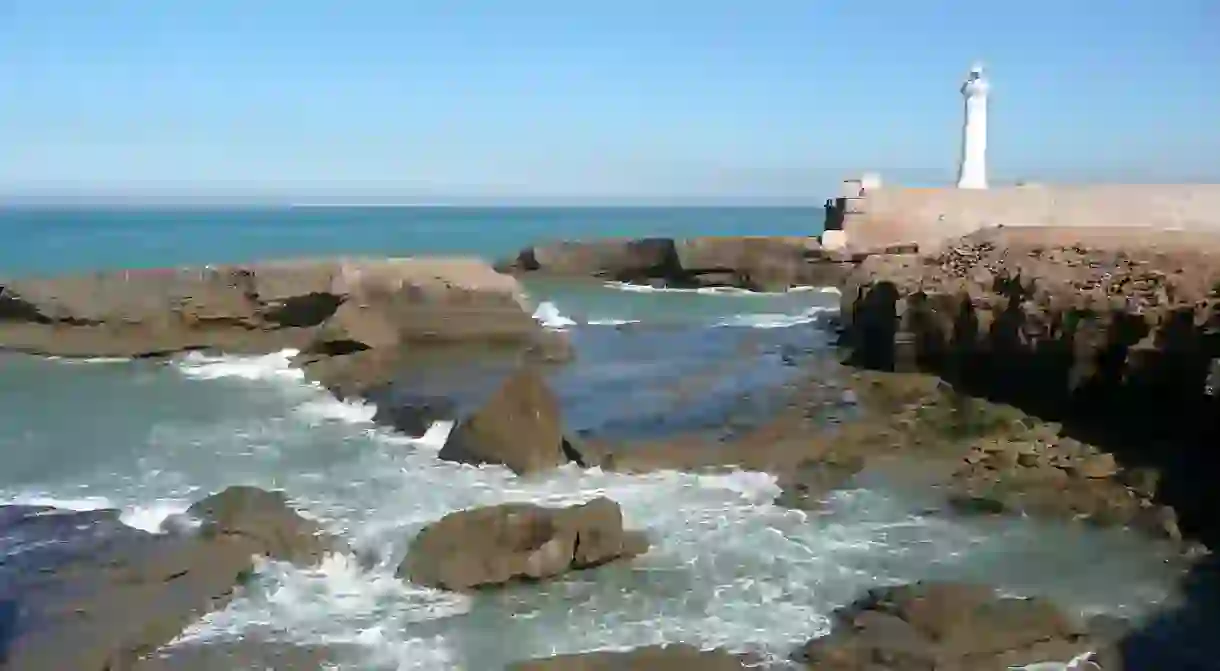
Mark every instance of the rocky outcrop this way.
pixel 1114 333
pixel 805 486
pixel 926 626
pixel 519 427
pixel 330 310
pixel 487 547
pixel 755 263
pixel 104 594
pixel 653 658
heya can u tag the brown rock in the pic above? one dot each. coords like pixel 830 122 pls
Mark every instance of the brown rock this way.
pixel 930 626
pixel 485 547
pixel 757 263
pixel 656 658
pixel 814 478
pixel 1100 465
pixel 518 427
pixel 328 309
pixel 265 521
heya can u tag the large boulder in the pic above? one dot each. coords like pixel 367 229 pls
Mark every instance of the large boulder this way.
pixel 519 427
pixel 485 547
pixel 101 594
pixel 652 658
pixel 930 626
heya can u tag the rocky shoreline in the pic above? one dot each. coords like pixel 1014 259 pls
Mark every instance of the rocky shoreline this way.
pixel 980 363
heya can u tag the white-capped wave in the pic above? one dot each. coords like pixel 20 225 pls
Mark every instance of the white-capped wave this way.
pixel 611 322
pixel 550 317
pixel 89 360
pixel 713 291
pixel 763 320
pixel 146 517
pixel 1081 662
pixel 331 409
pixel 277 365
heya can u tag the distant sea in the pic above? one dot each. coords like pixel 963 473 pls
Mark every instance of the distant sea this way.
pixel 48 239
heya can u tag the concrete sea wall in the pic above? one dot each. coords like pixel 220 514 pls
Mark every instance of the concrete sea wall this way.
pixel 894 215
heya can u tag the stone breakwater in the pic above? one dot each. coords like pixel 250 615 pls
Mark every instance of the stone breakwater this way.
pixel 1114 333
pixel 755 263
pixel 350 318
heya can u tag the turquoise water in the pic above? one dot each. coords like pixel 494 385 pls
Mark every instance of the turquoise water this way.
pixel 57 240
pixel 728 567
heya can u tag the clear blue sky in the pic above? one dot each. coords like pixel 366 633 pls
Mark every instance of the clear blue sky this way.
pixel 597 99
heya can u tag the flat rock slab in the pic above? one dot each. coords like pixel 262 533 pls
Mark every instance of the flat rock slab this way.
pixel 260 307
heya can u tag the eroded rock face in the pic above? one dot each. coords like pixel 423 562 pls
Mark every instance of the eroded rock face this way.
pixel 329 310
pixel 934 626
pixel 756 263
pixel 1112 333
pixel 519 427
pixel 105 594
pixel 653 658
pixel 486 547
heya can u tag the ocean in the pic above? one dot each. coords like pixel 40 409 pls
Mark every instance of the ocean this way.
pixel 728 567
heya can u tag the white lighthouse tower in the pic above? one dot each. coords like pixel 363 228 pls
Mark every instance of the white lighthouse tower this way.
pixel 972 172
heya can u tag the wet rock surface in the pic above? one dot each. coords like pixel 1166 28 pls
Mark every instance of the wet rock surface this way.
pixel 496 545
pixel 656 658
pixel 82 590
pixel 754 263
pixel 933 626
pixel 519 426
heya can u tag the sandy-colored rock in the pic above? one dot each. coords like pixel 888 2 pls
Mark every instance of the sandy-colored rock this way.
pixel 1110 330
pixel 266 521
pixel 486 547
pixel 654 658
pixel 519 426
pixel 929 626
pixel 328 309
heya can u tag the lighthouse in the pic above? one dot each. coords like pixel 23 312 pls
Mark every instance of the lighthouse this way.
pixel 972 172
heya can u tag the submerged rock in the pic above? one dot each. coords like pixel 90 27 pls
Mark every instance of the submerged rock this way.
pixel 653 658
pixel 519 427
pixel 484 547
pixel 104 594
pixel 929 626
pixel 814 478
pixel 266 522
